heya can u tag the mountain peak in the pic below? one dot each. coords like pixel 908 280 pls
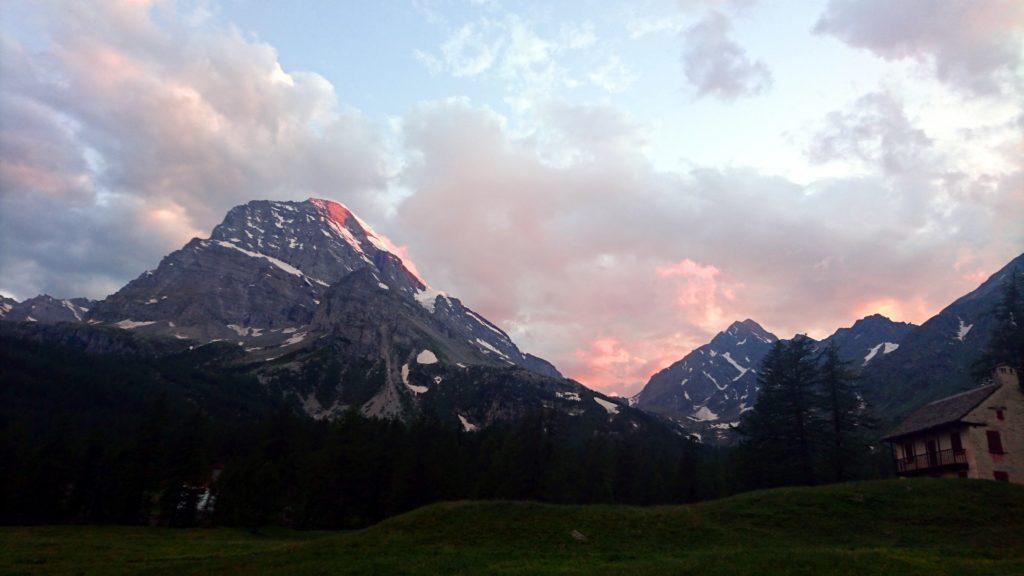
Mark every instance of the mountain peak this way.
pixel 336 211
pixel 748 327
pixel 344 220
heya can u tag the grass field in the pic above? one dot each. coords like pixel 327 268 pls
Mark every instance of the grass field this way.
pixel 925 527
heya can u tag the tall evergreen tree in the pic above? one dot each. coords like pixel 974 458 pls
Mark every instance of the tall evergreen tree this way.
pixel 783 429
pixel 845 413
pixel 1006 345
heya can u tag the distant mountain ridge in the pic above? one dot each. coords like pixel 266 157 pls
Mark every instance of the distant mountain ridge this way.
pixel 934 360
pixel 709 389
pixel 46 309
pixel 870 338
pixel 901 366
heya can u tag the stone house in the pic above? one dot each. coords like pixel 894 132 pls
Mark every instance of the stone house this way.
pixel 975 434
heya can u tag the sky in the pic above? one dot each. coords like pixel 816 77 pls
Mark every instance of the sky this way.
pixel 610 182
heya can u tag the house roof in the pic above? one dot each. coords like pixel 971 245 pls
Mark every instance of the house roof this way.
pixel 942 411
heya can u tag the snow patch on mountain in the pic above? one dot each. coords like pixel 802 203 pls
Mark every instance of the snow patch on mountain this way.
pixel 428 298
pixel 704 414
pixel 245 330
pixel 736 365
pixel 487 346
pixel 715 382
pixel 963 330
pixel 130 324
pixel 609 407
pixel 75 310
pixel 426 357
pixel 483 322
pixel 280 264
pixel 571 396
pixel 467 426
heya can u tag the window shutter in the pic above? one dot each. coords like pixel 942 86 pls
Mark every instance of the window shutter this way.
pixel 995 442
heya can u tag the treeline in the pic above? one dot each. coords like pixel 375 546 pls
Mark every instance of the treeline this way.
pixel 97 439
pixel 287 469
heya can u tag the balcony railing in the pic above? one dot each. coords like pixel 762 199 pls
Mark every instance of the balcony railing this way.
pixel 928 460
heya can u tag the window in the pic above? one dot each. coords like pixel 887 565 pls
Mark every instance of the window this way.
pixel 1001 476
pixel 995 442
pixel 1000 415
pixel 908 450
pixel 954 442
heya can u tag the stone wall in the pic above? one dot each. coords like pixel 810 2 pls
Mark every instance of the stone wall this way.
pixel 1010 400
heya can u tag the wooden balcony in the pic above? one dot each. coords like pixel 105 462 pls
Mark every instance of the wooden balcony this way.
pixel 931 461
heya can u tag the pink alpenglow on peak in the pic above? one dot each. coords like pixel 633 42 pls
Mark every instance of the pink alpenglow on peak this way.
pixel 340 216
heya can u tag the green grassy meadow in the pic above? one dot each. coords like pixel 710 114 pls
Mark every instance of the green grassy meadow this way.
pixel 907 527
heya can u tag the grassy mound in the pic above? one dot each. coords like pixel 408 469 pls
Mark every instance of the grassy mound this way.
pixel 888 527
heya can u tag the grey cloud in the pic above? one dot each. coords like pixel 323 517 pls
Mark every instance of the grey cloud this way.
pixel 717 66
pixel 876 130
pixel 973 45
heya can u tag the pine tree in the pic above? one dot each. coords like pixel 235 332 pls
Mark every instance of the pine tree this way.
pixel 844 411
pixel 801 400
pixel 1006 345
pixel 783 429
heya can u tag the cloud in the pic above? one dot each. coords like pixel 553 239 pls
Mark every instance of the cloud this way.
pixel 471 50
pixel 613 269
pixel 972 45
pixel 717 66
pixel 511 51
pixel 613 76
pixel 875 130
pixel 137 126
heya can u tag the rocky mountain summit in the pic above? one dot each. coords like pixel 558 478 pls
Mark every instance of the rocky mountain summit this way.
pixel 261 276
pixel 324 312
pixel 708 389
